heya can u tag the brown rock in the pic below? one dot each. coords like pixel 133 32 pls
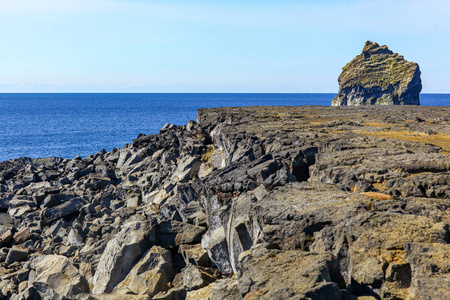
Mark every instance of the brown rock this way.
pixel 22 235
pixel 7 236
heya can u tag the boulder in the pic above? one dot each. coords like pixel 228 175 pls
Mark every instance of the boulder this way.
pixel 378 76
pixel 195 277
pixel 120 255
pixel 151 274
pixel 57 273
pixel 173 233
pixel 274 274
pixel 195 254
pixel 49 215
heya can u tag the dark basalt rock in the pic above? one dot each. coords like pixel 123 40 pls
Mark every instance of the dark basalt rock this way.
pixel 379 77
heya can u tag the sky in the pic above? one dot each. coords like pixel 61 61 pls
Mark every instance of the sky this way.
pixel 212 46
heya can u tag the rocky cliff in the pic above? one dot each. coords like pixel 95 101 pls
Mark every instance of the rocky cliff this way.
pixel 379 77
pixel 245 203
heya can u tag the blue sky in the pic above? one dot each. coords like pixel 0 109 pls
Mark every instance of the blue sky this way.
pixel 211 46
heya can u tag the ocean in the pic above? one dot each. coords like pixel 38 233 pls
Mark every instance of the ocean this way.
pixel 67 125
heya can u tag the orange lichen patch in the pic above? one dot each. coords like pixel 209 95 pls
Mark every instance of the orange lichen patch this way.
pixel 377 196
pixel 438 139
pixel 253 295
pixel 393 256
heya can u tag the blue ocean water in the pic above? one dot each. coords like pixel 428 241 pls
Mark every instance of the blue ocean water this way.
pixel 67 125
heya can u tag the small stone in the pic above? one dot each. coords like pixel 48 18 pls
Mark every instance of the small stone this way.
pixel 22 235
pixel 67 250
pixel 7 236
pixel 134 201
pixel 15 254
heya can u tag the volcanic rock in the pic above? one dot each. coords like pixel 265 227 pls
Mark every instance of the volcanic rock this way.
pixel 378 76
pixel 121 254
pixel 60 275
pixel 151 274
pixel 252 202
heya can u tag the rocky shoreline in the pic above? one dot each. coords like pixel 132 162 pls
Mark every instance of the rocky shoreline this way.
pixel 246 203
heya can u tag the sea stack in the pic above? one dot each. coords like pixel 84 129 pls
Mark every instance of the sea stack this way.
pixel 378 76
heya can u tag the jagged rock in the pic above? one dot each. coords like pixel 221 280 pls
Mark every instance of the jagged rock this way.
pixel 195 277
pixel 226 289
pixel 195 254
pixel 173 233
pixel 120 255
pixel 151 274
pixel 378 77
pixel 58 274
pixel 186 170
pixel 177 293
pixel 54 213
pixel 7 236
pixel 16 253
pixel 201 294
pixel 282 275
pixel 429 270
pixel 22 235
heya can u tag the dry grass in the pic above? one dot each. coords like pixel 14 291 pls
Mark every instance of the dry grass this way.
pixel 438 139
pixel 376 124
pixel 377 196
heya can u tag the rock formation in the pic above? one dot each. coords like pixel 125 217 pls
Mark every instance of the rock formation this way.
pixel 246 203
pixel 378 77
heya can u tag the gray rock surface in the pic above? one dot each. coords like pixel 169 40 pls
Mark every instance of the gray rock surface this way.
pixel 120 255
pixel 151 275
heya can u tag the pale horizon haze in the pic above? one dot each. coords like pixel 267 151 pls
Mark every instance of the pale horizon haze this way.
pixel 212 46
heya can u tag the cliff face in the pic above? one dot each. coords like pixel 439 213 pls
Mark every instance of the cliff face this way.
pixel 297 202
pixel 379 77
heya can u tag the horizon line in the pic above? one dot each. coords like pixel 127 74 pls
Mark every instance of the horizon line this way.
pixel 443 93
